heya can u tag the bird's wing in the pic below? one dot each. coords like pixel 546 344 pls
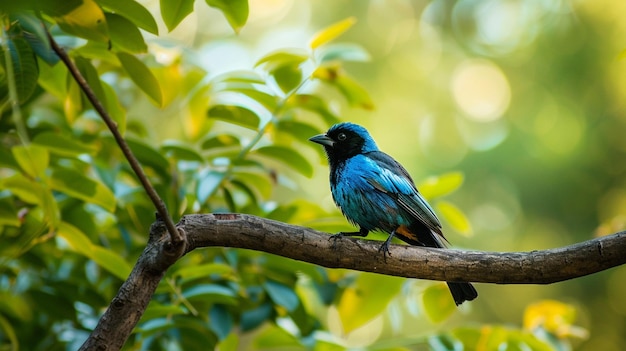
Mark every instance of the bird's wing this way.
pixel 396 182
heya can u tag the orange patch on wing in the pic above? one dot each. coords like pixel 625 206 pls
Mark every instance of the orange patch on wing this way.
pixel 405 232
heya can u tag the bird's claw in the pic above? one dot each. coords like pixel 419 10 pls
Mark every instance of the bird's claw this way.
pixel 334 238
pixel 384 248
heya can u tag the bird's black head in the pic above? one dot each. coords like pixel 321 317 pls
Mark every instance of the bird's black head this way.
pixel 345 140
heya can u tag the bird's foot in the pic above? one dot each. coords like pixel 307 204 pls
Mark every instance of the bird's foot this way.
pixel 384 248
pixel 334 238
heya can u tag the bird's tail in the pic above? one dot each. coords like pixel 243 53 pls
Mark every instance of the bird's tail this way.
pixel 461 292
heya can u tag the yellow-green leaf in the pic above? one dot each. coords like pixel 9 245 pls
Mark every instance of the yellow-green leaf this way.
pixel 366 298
pixel 235 115
pixel 353 92
pixel 33 159
pixel 455 217
pixel 107 259
pixel 331 32
pixel 283 57
pixel 235 11
pixel 86 20
pixel 444 184
pixel 27 190
pixel 438 304
pixel 174 11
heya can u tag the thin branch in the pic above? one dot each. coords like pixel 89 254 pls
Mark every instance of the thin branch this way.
pixel 175 235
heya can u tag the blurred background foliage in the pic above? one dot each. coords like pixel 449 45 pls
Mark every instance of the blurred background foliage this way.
pixel 509 114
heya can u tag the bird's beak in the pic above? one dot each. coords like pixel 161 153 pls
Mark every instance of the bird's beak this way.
pixel 323 139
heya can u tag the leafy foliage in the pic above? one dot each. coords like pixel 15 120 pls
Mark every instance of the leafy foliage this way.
pixel 73 218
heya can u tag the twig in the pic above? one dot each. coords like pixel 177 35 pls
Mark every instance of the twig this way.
pixel 176 237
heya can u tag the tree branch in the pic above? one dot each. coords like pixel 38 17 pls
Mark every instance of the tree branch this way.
pixel 305 244
pixel 177 238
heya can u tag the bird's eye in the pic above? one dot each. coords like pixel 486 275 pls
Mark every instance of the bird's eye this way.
pixel 341 137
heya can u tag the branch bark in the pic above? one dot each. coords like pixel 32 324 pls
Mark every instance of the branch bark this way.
pixel 305 244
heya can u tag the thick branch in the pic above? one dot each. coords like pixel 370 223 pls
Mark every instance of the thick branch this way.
pixel 304 244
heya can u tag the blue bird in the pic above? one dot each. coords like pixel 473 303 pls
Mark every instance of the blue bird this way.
pixel 375 193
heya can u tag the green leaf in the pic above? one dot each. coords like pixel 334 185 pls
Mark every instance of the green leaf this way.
pixel 268 101
pixel 203 270
pixel 220 141
pixel 229 343
pixel 175 11
pixel 455 217
pixel 114 107
pixel 258 181
pixel 62 145
pixel 133 11
pixel 11 340
pixel 35 35
pixel 212 293
pixel 90 73
pixel 283 57
pixel 25 68
pixel 287 77
pixel 105 258
pixel 97 51
pixel 331 32
pixel 315 104
pixel 125 35
pixel 438 304
pixel 235 115
pixel 33 159
pixel 77 185
pixel 149 156
pixel 180 151
pixel 53 79
pixel 26 189
pixel 156 310
pixel 235 11
pixel 288 156
pixel 444 184
pixel 83 18
pixel 111 261
pixel 300 131
pixel 275 337
pixel 142 76
pixel 343 52
pixel 282 295
pixel 366 298
pixel 349 88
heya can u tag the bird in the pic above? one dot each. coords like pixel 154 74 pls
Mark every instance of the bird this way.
pixel 376 193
